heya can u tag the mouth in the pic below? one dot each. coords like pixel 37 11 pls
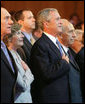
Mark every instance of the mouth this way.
pixel 9 27
pixel 21 40
pixel 33 23
pixel 60 26
pixel 72 40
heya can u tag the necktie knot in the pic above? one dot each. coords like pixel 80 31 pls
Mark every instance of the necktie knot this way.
pixel 32 40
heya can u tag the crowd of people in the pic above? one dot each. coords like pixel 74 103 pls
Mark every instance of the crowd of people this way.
pixel 42 59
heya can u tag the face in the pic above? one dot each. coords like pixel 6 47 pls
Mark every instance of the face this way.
pixel 55 23
pixel 17 39
pixel 6 22
pixel 75 20
pixel 70 35
pixel 29 21
pixel 79 37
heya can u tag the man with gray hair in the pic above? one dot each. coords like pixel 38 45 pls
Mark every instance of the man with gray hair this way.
pixel 48 64
pixel 8 66
pixel 67 38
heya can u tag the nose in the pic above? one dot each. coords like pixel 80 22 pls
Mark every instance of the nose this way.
pixel 60 22
pixel 74 35
pixel 33 19
pixel 10 21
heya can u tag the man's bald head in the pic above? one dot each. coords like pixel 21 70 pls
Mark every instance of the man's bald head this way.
pixel 68 33
pixel 66 26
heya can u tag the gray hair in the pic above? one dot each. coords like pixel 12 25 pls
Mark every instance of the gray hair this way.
pixel 66 26
pixel 79 31
pixel 44 15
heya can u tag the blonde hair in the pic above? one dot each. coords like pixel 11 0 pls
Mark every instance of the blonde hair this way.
pixel 15 28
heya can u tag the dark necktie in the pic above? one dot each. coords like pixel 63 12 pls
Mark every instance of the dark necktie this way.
pixel 60 48
pixel 71 58
pixel 70 55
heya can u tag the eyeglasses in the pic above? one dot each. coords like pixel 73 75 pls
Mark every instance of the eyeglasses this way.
pixel 18 32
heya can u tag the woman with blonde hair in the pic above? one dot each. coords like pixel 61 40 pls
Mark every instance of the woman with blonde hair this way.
pixel 25 77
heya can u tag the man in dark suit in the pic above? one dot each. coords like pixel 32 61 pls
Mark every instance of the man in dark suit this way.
pixel 8 67
pixel 49 66
pixel 80 61
pixel 67 38
pixel 26 19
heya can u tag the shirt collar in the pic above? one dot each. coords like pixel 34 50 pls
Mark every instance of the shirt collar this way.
pixel 28 36
pixel 65 48
pixel 2 44
pixel 51 37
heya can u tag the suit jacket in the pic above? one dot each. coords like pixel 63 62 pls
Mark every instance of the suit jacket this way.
pixel 74 79
pixel 80 61
pixel 27 49
pixel 73 53
pixel 8 79
pixel 50 73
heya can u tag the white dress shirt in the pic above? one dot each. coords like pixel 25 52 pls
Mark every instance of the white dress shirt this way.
pixel 52 38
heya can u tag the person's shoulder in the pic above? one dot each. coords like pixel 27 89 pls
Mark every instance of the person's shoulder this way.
pixel 81 52
pixel 39 41
pixel 40 44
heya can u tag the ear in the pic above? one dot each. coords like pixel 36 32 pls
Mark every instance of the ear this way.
pixel 46 24
pixel 20 22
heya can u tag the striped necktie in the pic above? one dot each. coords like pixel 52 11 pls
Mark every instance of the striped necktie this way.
pixel 60 48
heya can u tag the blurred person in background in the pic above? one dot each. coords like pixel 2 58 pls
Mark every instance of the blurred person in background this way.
pixel 77 49
pixel 80 25
pixel 77 44
pixel 80 60
pixel 74 19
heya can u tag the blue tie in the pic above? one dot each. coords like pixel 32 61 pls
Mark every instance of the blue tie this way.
pixel 60 48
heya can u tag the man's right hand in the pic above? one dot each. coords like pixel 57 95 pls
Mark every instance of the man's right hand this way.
pixel 65 58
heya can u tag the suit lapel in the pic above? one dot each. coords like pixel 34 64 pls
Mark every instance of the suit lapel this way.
pixel 4 59
pixel 74 64
pixel 26 41
pixel 13 62
pixel 56 50
pixel 52 45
